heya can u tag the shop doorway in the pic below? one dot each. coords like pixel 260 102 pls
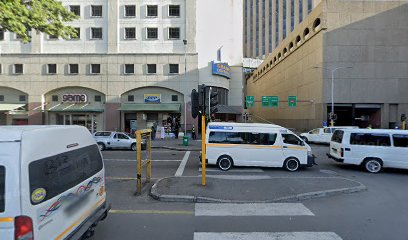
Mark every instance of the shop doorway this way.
pixel 85 120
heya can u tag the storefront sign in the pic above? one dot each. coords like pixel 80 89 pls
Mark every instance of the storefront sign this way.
pixel 74 98
pixel 221 69
pixel 152 98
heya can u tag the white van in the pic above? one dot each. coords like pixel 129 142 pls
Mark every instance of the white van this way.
pixel 251 144
pixel 371 148
pixel 52 183
pixel 321 135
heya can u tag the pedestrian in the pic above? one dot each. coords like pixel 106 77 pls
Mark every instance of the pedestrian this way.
pixel 176 129
pixel 153 133
pixel 193 133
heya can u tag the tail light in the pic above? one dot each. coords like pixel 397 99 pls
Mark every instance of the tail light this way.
pixel 23 228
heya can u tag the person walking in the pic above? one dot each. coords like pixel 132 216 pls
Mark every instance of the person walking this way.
pixel 193 133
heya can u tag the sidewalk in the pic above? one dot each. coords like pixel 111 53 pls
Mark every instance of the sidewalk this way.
pixel 177 144
pixel 279 189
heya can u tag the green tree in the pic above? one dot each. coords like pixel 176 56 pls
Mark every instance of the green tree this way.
pixel 47 16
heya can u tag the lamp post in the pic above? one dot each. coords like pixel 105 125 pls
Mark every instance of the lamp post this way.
pixel 185 79
pixel 332 91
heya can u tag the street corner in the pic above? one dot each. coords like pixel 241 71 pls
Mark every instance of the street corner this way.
pixel 278 189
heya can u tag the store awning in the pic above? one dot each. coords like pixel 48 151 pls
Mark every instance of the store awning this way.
pixel 10 106
pixel 146 107
pixel 64 107
pixel 229 109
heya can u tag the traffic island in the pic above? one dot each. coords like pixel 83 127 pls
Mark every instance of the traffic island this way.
pixel 279 189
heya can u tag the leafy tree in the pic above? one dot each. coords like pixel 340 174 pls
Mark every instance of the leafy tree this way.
pixel 47 16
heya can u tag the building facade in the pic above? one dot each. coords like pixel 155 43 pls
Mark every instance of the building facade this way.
pixel 133 64
pixel 361 45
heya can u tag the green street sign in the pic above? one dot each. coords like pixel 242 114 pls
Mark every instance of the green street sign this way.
pixel 270 101
pixel 250 101
pixel 292 101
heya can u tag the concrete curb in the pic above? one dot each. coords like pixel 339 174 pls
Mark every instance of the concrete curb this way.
pixel 298 197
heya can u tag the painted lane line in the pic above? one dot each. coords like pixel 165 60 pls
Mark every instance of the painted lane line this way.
pixel 252 209
pixel 240 177
pixel 183 163
pixel 252 170
pixel 159 212
pixel 266 236
pixel 131 160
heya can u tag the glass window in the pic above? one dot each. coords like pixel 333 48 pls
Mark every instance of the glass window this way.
pixel 174 33
pixel 55 98
pixel 105 134
pixel 130 33
pixel 73 69
pixel 96 10
pixel 174 69
pixel 22 98
pixel 151 69
pixel 152 10
pixel 53 37
pixel 122 136
pixel 52 68
pixel 95 68
pixel 1 34
pixel 76 9
pixel 327 130
pixel 151 33
pixel 370 139
pixel 18 69
pixel 314 131
pixel 337 136
pixel 174 10
pixel 2 188
pixel 131 98
pixel 292 139
pixel 130 11
pixel 242 138
pixel 98 98
pixel 400 140
pixel 1 98
pixel 174 98
pixel 61 172
pixel 129 68
pixel 96 33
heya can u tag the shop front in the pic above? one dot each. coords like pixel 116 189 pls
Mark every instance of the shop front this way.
pixel 13 107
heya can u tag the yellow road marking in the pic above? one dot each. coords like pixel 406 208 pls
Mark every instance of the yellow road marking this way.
pixel 6 219
pixel 160 212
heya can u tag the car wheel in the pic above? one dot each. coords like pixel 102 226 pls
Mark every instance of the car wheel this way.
pixel 225 163
pixel 305 139
pixel 373 165
pixel 133 147
pixel 101 146
pixel 292 164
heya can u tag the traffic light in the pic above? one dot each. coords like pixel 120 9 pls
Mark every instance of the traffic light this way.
pixel 195 105
pixel 213 103
pixel 201 97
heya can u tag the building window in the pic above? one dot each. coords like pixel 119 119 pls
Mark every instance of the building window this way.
pixel 52 37
pixel 1 98
pixel 1 34
pixel 151 33
pixel 96 10
pixel 51 68
pixel 309 6
pixel 130 11
pixel 76 9
pixel 130 33
pixel 1 69
pixel 174 98
pixel 95 68
pixel 78 34
pixel 73 69
pixel 152 11
pixel 98 98
pixel 129 69
pixel 96 33
pixel 174 33
pixel 174 10
pixel 174 69
pixel 18 69
pixel 55 98
pixel 131 98
pixel 151 69
pixel 22 98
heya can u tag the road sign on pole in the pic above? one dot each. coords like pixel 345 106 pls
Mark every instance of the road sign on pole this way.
pixel 250 101
pixel 270 101
pixel 292 101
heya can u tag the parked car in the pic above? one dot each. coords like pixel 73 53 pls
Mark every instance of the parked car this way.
pixel 321 135
pixel 371 148
pixel 116 140
pixel 52 183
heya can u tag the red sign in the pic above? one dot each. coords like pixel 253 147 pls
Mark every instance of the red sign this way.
pixel 74 98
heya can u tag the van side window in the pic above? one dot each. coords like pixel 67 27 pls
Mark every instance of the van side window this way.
pixel 61 172
pixel 327 130
pixel 314 131
pixel 292 139
pixel 400 140
pixel 242 138
pixel 370 139
pixel 337 136
pixel 2 188
pixel 122 136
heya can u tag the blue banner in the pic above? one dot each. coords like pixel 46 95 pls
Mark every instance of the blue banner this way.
pixel 221 69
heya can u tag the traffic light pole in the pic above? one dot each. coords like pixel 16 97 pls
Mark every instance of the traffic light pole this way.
pixel 203 152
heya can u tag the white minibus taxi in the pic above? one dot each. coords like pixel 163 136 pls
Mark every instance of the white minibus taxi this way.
pixel 252 144
pixel 371 148
pixel 52 183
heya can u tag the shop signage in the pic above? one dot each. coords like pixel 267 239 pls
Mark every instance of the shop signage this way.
pixel 74 98
pixel 152 98
pixel 221 69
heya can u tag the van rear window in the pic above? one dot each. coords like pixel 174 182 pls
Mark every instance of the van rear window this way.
pixel 337 136
pixel 2 187
pixel 61 172
pixel 370 139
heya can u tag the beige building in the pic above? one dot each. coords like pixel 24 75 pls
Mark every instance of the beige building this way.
pixel 362 43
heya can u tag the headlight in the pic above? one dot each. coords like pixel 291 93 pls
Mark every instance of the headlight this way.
pixel 309 154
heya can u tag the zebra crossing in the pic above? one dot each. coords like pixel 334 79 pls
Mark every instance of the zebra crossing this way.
pixel 258 210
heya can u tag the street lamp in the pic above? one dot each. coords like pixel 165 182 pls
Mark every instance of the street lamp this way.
pixel 185 80
pixel 332 91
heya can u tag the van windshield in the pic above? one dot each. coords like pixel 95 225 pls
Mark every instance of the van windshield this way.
pixel 2 187
pixel 337 136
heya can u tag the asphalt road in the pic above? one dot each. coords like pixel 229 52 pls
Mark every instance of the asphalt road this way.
pixel 380 213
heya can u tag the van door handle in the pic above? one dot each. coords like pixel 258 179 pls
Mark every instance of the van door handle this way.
pixel 347 149
pixel 285 146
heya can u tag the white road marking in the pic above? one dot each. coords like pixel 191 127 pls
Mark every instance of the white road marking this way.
pixel 252 170
pixel 134 160
pixel 183 163
pixel 251 209
pixel 266 236
pixel 240 177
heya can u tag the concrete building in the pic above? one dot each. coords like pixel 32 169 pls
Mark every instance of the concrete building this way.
pixel 363 43
pixel 268 22
pixel 128 68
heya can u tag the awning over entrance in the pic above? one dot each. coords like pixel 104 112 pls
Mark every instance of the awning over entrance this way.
pixel 229 109
pixel 10 106
pixel 146 107
pixel 64 107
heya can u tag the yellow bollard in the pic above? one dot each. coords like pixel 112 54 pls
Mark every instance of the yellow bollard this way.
pixel 149 160
pixel 203 155
pixel 139 162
